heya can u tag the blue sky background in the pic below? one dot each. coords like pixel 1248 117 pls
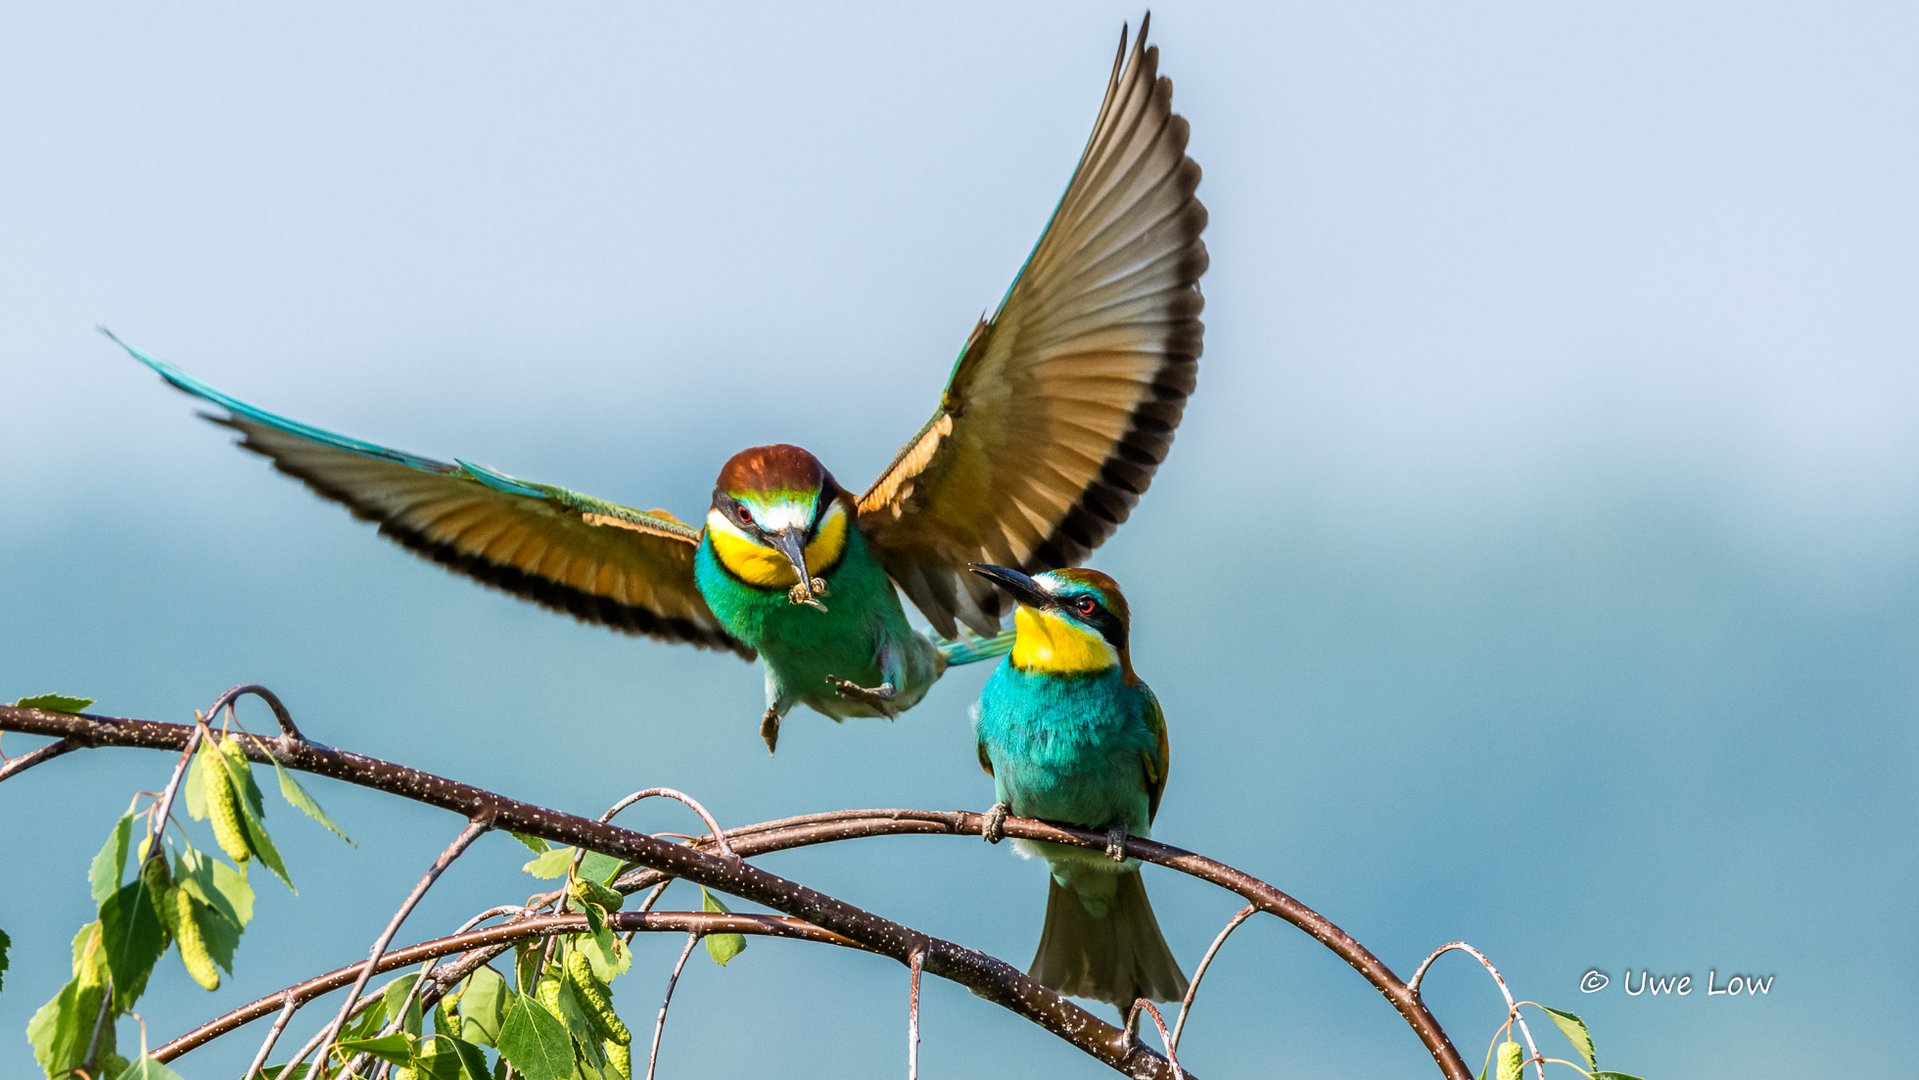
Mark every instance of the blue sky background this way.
pixel 1536 564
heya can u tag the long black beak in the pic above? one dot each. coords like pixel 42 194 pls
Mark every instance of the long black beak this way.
pixel 1023 588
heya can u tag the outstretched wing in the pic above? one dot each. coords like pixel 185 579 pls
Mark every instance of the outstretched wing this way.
pixel 1064 402
pixel 599 561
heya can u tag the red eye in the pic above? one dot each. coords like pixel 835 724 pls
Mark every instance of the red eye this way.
pixel 1085 605
pixel 746 516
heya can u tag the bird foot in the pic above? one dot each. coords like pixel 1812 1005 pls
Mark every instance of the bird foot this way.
pixel 808 593
pixel 1116 843
pixel 993 828
pixel 879 697
pixel 770 730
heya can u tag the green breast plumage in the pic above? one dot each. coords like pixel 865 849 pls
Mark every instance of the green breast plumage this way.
pixel 802 645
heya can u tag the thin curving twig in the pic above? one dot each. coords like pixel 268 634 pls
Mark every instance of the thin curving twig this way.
pixel 659 1024
pixel 475 828
pixel 15 766
pixel 280 713
pixel 273 1034
pixel 1132 1016
pixel 678 796
pixel 1186 1003
pixel 916 965
pixel 1512 1009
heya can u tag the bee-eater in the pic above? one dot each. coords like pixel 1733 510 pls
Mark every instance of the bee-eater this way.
pixel 1057 412
pixel 1070 734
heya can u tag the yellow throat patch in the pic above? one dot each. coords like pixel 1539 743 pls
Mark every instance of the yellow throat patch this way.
pixel 1048 642
pixel 757 564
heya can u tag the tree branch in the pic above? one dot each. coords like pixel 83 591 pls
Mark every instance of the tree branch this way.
pixel 840 825
pixel 15 766
pixel 988 976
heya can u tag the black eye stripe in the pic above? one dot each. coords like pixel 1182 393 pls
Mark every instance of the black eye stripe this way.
pixel 1100 618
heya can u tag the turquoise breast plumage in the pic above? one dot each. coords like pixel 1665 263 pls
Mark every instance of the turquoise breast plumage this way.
pixel 1071 734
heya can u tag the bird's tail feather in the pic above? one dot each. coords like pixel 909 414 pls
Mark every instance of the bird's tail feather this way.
pixel 1119 957
pixel 968 649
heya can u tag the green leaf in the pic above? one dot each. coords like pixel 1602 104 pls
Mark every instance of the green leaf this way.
pixel 89 960
pixel 721 947
pixel 4 942
pixel 148 1069
pixel 601 868
pixel 1576 1033
pixel 441 1060
pixel 368 1023
pixel 61 1029
pixel 54 1029
pixel 275 1072
pixel 472 1060
pixel 534 1042
pixel 134 937
pixel 448 1058
pixel 483 1007
pixel 110 865
pixel 396 1047
pixel 214 884
pixel 551 863
pixel 195 789
pixel 292 792
pixel 54 703
pixel 1613 1076
pixel 608 955
pixel 399 993
pixel 535 843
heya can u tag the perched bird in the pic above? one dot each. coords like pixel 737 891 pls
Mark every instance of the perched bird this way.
pixel 1070 734
pixel 1059 409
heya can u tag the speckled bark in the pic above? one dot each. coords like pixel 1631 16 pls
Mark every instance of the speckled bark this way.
pixel 988 976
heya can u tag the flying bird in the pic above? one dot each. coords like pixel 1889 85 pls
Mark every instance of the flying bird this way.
pixel 1059 409
pixel 1070 734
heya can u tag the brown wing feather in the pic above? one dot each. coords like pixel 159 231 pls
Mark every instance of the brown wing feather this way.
pixel 597 561
pixel 1064 403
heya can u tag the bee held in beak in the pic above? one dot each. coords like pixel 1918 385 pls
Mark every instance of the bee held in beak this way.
pixel 792 544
